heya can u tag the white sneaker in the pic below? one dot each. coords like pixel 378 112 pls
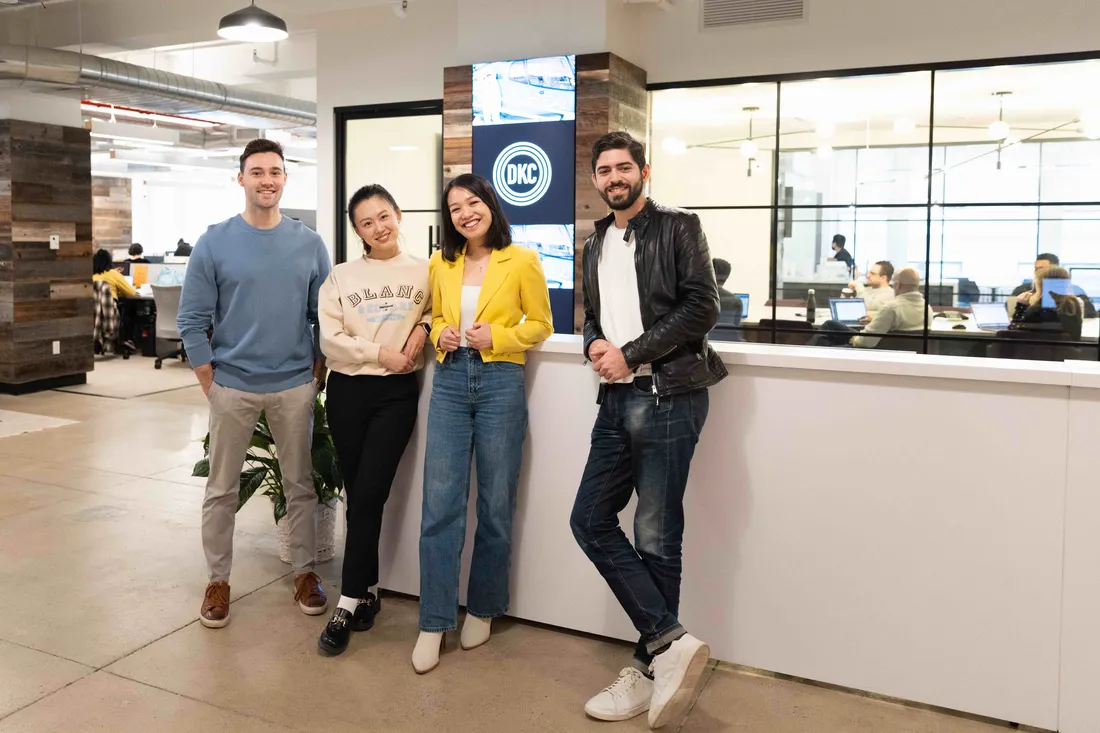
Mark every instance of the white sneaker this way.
pixel 676 672
pixel 627 697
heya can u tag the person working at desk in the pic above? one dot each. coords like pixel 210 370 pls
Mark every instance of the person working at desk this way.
pixel 876 292
pixel 183 249
pixel 731 314
pixel 906 312
pixel 839 253
pixel 1042 262
pixel 103 268
pixel 1065 316
pixel 136 252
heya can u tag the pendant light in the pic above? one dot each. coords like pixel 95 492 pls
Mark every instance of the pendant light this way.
pixel 253 25
pixel 749 148
pixel 1000 129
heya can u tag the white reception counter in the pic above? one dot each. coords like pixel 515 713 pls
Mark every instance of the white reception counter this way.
pixel 916 526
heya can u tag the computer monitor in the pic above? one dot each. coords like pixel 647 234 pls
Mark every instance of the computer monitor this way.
pixel 848 310
pixel 990 316
pixel 744 304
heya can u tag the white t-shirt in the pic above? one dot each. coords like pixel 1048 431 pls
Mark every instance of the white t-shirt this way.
pixel 468 309
pixel 620 307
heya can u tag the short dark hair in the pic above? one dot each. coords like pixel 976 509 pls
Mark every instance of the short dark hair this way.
pixel 618 141
pixel 366 193
pixel 886 270
pixel 722 270
pixel 840 239
pixel 1049 257
pixel 136 250
pixel 261 145
pixel 101 262
pixel 499 236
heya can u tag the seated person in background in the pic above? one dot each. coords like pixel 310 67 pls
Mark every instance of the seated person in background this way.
pixel 183 249
pixel 1044 261
pixel 730 315
pixel 906 312
pixel 839 253
pixel 1064 317
pixel 103 269
pixel 877 291
pixel 136 251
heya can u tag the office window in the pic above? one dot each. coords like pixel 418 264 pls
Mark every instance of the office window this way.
pixel 961 176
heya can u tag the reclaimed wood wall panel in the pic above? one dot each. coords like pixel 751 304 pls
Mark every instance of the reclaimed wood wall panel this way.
pixel 45 294
pixel 458 122
pixel 112 212
pixel 611 95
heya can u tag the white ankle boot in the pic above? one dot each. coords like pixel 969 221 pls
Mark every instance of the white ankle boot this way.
pixel 475 632
pixel 426 652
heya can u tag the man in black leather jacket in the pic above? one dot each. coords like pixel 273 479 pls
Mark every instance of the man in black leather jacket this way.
pixel 650 299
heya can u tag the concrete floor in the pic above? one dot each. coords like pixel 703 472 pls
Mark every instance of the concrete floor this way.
pixel 103 574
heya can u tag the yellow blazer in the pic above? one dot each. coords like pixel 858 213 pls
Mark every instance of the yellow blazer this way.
pixel 514 301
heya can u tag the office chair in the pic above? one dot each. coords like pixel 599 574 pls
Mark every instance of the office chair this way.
pixel 167 299
pixel 1054 347
pixel 911 341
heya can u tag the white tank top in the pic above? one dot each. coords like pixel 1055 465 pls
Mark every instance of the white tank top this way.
pixel 468 310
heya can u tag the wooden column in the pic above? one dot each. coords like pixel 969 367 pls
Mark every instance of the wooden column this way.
pixel 45 294
pixel 611 95
pixel 112 212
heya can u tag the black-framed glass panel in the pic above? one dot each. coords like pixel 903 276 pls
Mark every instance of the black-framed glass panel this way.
pixel 399 146
pixel 855 141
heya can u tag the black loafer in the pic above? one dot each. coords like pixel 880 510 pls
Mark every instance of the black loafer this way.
pixel 368 608
pixel 334 639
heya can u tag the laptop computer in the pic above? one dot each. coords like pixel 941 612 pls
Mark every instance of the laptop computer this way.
pixel 990 316
pixel 848 311
pixel 744 305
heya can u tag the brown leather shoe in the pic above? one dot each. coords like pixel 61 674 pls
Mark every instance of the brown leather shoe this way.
pixel 215 605
pixel 309 594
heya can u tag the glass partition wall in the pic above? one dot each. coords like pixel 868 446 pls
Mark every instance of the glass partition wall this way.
pixel 949 184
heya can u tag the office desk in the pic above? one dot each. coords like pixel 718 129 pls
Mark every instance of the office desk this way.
pixel 138 316
pixel 940 327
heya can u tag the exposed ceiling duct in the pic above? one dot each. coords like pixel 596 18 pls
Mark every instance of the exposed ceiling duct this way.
pixel 111 81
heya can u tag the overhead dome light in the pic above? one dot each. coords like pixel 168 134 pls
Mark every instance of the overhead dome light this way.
pixel 253 25
pixel 674 146
pixel 749 149
pixel 999 130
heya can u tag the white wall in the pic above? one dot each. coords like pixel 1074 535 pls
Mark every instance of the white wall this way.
pixel 846 34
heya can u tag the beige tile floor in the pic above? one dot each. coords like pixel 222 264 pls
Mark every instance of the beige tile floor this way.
pixel 102 571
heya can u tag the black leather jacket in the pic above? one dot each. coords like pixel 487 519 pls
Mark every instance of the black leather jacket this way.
pixel 677 292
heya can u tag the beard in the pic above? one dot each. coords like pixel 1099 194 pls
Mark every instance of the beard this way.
pixel 259 202
pixel 623 203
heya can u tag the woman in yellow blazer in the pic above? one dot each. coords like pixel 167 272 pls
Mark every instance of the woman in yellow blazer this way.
pixel 489 305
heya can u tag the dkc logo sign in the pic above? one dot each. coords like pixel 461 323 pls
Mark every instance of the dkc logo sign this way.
pixel 522 173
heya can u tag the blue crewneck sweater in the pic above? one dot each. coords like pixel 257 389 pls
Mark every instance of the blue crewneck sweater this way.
pixel 257 288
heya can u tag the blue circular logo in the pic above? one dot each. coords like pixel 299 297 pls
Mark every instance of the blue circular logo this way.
pixel 522 174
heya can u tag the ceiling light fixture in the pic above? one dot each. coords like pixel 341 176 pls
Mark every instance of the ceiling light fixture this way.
pixel 674 146
pixel 904 126
pixel 135 114
pixel 749 148
pixel 1000 129
pixel 825 152
pixel 253 25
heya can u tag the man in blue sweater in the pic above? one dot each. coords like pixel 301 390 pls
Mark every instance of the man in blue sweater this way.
pixel 252 282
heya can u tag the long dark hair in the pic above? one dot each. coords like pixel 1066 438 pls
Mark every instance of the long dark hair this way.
pixel 365 194
pixel 101 262
pixel 499 236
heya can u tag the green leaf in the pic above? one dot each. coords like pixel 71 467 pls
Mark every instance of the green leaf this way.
pixel 251 480
pixel 202 468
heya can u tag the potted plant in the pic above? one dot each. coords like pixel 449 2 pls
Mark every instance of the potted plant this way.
pixel 261 472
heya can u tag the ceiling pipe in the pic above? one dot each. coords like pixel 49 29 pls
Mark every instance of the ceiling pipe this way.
pixel 33 64
pixel 5 8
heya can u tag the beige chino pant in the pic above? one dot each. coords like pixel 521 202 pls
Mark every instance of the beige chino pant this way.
pixel 233 416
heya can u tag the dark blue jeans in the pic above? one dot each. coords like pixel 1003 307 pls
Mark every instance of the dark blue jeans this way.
pixel 478 411
pixel 643 444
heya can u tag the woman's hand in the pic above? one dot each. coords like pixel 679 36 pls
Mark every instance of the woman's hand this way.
pixel 480 336
pixel 415 344
pixel 449 340
pixel 394 361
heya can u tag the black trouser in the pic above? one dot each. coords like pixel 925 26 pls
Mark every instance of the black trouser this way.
pixel 371 419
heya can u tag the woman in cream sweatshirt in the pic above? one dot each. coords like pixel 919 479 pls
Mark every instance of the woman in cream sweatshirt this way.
pixel 374 314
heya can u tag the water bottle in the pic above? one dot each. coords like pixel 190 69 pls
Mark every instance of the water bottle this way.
pixel 811 307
